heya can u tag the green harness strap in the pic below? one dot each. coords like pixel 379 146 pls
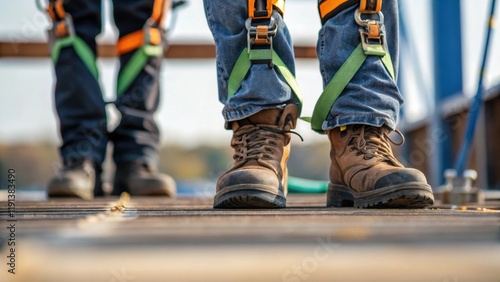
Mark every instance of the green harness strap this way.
pixel 135 65
pixel 331 92
pixel 128 74
pixel 243 64
pixel 340 80
pixel 82 50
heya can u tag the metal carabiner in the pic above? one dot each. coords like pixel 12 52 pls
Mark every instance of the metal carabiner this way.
pixel 367 22
pixel 151 46
pixel 372 45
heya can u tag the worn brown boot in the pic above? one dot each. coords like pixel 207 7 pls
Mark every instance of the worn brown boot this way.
pixel 142 179
pixel 365 174
pixel 78 179
pixel 258 177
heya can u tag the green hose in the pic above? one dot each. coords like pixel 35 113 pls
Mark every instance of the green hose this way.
pixel 306 186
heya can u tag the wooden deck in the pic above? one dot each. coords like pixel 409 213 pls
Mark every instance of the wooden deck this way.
pixel 185 239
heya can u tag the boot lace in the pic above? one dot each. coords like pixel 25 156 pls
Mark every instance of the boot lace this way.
pixel 257 142
pixel 371 142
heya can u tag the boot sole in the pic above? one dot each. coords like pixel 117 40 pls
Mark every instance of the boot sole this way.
pixel 406 196
pixel 245 197
pixel 146 188
pixel 60 191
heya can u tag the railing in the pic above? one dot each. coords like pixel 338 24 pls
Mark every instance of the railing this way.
pixel 175 50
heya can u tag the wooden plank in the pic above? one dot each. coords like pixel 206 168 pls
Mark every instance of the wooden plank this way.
pixel 182 219
pixel 320 260
pixel 185 239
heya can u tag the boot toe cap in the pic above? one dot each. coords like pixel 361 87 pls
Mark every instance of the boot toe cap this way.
pixel 248 179
pixel 69 187
pixel 155 185
pixel 407 175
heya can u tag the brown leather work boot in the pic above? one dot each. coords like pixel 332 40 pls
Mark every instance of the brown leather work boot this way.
pixel 258 177
pixel 142 179
pixel 78 179
pixel 365 174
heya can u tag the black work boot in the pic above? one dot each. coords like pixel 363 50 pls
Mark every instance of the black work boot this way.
pixel 78 179
pixel 142 179
pixel 258 177
pixel 365 174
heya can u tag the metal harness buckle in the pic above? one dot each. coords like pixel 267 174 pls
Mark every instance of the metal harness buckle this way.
pixel 372 34
pixel 153 38
pixel 260 41
pixel 62 22
pixel 60 29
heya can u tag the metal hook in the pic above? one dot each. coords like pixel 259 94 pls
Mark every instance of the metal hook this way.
pixel 367 22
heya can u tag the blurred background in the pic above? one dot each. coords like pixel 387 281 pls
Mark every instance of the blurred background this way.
pixel 195 146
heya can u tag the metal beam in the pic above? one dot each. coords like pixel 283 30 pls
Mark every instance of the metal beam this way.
pixel 447 79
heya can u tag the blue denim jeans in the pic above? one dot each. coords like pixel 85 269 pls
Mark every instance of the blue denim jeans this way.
pixel 371 97
pixel 78 97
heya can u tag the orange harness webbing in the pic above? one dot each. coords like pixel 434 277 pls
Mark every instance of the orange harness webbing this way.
pixel 329 8
pixel 152 35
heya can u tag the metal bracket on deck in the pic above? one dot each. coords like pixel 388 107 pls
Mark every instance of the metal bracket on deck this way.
pixel 459 190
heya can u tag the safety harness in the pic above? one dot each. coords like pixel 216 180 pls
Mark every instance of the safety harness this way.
pixel 373 43
pixel 62 34
pixel 146 43
pixel 261 28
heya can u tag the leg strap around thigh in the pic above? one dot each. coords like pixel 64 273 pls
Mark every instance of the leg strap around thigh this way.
pixel 145 43
pixel 373 43
pixel 261 28
pixel 62 34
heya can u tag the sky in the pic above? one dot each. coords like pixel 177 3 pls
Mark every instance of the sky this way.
pixel 27 112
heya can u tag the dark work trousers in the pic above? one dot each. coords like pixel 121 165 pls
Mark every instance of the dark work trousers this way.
pixel 78 97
